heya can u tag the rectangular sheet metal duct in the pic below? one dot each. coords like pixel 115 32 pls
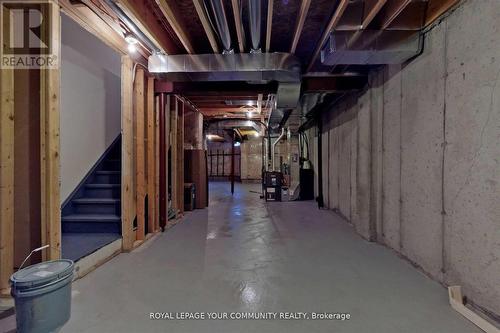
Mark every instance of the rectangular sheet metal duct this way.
pixel 372 47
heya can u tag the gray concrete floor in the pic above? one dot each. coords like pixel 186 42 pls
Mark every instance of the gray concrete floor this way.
pixel 243 255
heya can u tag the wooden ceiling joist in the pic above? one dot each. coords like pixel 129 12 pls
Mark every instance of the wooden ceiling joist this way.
pixel 392 10
pixel 171 13
pixel 269 24
pixel 334 20
pixel 199 6
pixel 374 7
pixel 436 8
pixel 299 24
pixel 238 25
pixel 144 18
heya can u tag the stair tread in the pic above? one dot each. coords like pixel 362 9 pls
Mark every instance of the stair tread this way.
pixel 102 185
pixel 108 172
pixel 91 217
pixel 96 200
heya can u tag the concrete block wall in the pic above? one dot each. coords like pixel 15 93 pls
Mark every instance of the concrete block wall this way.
pixel 414 161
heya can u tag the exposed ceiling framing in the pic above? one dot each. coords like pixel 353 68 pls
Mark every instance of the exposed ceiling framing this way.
pixel 301 27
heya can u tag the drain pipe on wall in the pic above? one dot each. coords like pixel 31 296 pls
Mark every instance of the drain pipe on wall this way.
pixel 274 146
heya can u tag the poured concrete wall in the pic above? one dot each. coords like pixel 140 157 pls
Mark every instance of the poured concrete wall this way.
pixel 425 176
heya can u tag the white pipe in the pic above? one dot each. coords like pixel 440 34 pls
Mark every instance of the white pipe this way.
pixel 276 142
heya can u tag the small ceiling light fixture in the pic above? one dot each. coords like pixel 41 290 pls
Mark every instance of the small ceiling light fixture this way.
pixel 132 42
pixel 249 114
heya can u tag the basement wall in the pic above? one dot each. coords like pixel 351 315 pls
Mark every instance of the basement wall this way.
pixel 90 102
pixel 414 161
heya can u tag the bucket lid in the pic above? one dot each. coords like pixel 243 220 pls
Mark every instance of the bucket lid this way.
pixel 41 274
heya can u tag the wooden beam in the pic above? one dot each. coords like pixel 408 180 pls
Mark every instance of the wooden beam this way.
pixel 127 192
pixel 456 302
pixel 140 153
pixel 145 19
pixel 334 20
pixel 436 8
pixel 93 24
pixel 150 151
pixel 6 178
pixel 171 13
pixel 239 26
pixel 199 6
pixel 269 24
pixel 392 10
pixel 299 24
pixel 50 149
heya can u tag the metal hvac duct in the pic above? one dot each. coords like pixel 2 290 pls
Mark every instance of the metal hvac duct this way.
pixel 228 124
pixel 255 20
pixel 372 47
pixel 220 22
pixel 258 67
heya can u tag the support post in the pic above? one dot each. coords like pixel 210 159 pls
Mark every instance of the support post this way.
pixel 163 159
pixel 150 103
pixel 127 194
pixel 232 162
pixel 139 161
pixel 6 178
pixel 173 150
pixel 180 155
pixel 50 148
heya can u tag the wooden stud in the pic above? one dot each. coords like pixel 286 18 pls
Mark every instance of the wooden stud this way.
pixel 171 13
pixel 157 146
pixel 151 156
pixel 6 178
pixel 239 26
pixel 299 24
pixel 180 155
pixel 127 193
pixel 331 24
pixel 50 149
pixel 456 302
pixel 140 153
pixel 269 24
pixel 173 150
pixel 199 6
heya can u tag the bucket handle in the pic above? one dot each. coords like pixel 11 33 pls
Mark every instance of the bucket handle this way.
pixel 29 255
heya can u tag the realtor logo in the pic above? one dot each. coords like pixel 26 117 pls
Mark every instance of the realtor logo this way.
pixel 27 34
